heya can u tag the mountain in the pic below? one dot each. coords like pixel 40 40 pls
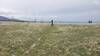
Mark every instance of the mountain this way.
pixel 2 18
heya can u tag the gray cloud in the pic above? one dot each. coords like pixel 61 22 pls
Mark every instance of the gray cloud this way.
pixel 66 8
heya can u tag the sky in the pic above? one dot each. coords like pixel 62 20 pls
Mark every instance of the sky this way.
pixel 59 10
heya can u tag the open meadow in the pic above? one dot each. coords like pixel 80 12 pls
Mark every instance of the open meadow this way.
pixel 35 39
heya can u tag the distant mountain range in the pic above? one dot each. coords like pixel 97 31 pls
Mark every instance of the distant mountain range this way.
pixel 3 18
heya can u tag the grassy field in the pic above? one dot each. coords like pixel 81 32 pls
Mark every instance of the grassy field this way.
pixel 27 39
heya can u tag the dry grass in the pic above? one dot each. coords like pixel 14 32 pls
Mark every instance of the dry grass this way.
pixel 27 39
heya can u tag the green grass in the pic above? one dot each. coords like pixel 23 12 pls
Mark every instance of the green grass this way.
pixel 22 39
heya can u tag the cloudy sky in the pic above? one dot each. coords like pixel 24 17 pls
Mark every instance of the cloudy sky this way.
pixel 60 9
